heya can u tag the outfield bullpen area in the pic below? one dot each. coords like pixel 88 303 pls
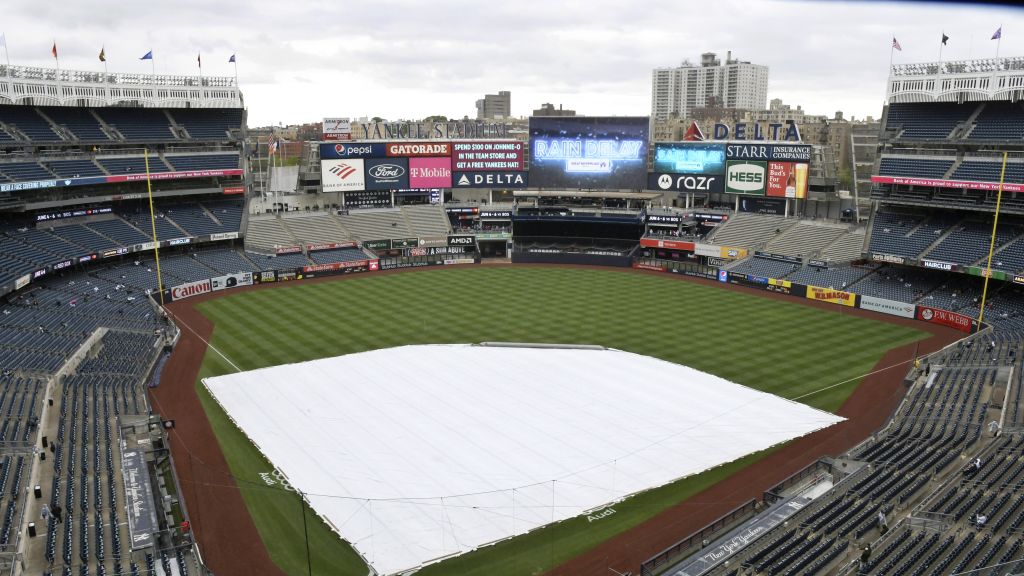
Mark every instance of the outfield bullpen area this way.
pixel 756 339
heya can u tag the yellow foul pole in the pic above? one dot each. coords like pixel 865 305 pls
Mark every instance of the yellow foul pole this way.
pixel 992 241
pixel 152 221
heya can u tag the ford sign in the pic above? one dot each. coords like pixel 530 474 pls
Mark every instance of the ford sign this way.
pixel 387 171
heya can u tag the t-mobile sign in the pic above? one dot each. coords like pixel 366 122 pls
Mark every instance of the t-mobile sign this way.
pixel 430 172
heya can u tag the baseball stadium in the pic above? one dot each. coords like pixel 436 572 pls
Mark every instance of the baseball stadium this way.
pixel 562 348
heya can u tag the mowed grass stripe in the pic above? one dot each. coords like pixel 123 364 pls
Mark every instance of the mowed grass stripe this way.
pixel 773 345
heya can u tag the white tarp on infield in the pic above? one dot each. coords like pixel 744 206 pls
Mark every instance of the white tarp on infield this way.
pixel 421 452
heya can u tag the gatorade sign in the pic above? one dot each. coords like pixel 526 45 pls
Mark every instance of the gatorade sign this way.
pixel 745 177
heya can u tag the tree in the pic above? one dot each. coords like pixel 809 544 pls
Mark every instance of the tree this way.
pixel 436 118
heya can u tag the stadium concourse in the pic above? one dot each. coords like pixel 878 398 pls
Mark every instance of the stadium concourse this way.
pixel 99 477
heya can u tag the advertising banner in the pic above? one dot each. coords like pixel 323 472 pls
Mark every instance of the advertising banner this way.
pixel 889 258
pixel 1018 279
pixel 745 177
pixel 223 236
pixel 732 253
pixel 92 180
pixel 113 252
pixel 685 182
pixel 689 158
pixel 780 286
pixel 663 219
pixel 22 281
pixel 342 175
pixel 766 152
pixel 939 265
pixel 667 244
pixel 377 244
pixel 708 250
pixel 387 173
pixel 142 523
pixel 74 213
pixel 337 129
pixel 230 190
pixel 762 205
pixel 506 180
pixel 936 183
pixel 287 249
pixel 945 318
pixel 190 289
pixel 231 281
pixel 330 246
pixel 353 150
pixel 831 295
pixel 787 180
pixel 891 307
pixel 779 257
pixel 430 172
pixel 352 265
pixel 367 199
pixel 496 214
pixel 483 156
pixel 409 149
pixel 461 240
pixel 579 152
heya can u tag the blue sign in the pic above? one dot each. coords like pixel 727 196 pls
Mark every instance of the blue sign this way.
pixel 342 150
pixel 56 183
pixel 689 158
pixel 387 173
pixel 490 179
pixel 752 131
pixel 578 152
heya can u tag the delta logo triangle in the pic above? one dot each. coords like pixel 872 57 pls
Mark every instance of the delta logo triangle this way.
pixel 693 133
pixel 463 181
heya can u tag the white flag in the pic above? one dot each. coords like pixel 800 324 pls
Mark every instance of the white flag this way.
pixel 3 40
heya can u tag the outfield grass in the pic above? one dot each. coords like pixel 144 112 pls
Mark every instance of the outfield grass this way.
pixel 769 344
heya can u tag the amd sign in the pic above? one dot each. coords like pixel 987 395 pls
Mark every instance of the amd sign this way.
pixel 490 179
pixel 461 240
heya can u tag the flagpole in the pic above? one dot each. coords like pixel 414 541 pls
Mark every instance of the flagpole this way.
pixel 998 40
pixel 992 242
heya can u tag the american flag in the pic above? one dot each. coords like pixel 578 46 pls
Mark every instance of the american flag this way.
pixel 272 147
pixel 896 44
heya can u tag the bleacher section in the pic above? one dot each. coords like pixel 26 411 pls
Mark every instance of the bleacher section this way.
pixel 133 165
pixel 79 121
pixel 119 231
pixel 427 220
pixel 988 171
pixel 24 171
pixel 840 278
pixel 927 122
pixel 907 234
pixel 314 228
pixel 999 121
pixel 765 267
pixel 751 231
pixel 914 167
pixel 340 255
pixel 376 224
pixel 279 262
pixel 202 162
pixel 74 168
pixel 846 248
pixel 969 242
pixel 208 124
pixel 84 237
pixel 138 124
pixel 805 238
pixel 267 233
pixel 25 120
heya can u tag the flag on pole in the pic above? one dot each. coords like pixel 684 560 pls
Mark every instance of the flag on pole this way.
pixel 148 56
pixel 944 38
pixel 103 54
pixel 199 59
pixel 998 34
pixel 896 44
pixel 232 59
pixel 272 147
pixel 54 50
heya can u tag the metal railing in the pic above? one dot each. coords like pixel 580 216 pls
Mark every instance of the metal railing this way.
pixel 696 540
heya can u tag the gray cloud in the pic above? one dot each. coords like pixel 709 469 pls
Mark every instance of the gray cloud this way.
pixel 302 60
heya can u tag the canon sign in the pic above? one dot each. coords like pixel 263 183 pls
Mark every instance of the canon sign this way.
pixel 191 289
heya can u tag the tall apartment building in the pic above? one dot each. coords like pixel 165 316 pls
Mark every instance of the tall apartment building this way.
pixel 735 84
pixel 494 106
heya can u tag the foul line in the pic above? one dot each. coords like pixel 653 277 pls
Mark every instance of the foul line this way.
pixel 177 320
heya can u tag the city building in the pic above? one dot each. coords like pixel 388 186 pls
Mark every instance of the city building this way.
pixel 681 90
pixel 494 106
pixel 547 109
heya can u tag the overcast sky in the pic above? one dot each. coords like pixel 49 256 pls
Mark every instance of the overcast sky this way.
pixel 301 60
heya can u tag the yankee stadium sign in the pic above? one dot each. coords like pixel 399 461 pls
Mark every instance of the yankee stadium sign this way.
pixel 428 130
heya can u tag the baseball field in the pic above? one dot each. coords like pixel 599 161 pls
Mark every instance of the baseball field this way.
pixel 772 344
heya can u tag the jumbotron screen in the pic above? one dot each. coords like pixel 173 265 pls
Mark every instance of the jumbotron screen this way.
pixel 590 153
